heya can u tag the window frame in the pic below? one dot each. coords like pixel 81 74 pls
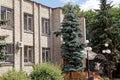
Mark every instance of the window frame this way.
pixel 10 51
pixel 28 27
pixel 46 55
pixel 9 48
pixel 10 11
pixel 27 56
pixel 45 26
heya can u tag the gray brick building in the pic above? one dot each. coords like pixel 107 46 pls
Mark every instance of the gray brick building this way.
pixel 30 28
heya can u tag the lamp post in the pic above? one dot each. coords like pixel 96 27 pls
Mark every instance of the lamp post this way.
pixel 107 52
pixel 87 50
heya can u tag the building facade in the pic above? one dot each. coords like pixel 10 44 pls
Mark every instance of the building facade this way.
pixel 30 30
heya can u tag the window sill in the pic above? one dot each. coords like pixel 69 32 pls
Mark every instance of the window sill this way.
pixel 6 27
pixel 47 35
pixel 6 63
pixel 28 63
pixel 31 32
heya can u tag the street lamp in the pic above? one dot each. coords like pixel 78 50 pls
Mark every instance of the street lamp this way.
pixel 106 51
pixel 87 50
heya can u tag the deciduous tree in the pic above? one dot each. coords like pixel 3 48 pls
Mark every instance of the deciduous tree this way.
pixel 105 30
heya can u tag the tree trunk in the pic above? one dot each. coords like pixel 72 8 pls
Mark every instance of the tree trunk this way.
pixel 70 76
pixel 110 75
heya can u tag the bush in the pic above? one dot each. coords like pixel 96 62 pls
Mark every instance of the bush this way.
pixel 46 71
pixel 14 75
pixel 106 78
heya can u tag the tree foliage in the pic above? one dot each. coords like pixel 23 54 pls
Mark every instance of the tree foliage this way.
pixel 71 47
pixel 105 29
pixel 89 17
pixel 2 22
pixel 102 27
pixel 2 43
pixel 46 71
pixel 14 75
pixel 76 8
pixel 2 46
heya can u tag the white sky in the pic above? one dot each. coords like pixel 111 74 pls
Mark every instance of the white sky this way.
pixel 65 1
pixel 94 4
pixel 84 4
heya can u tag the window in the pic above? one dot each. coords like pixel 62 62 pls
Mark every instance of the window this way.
pixel 7 14
pixel 45 26
pixel 28 54
pixel 28 22
pixel 45 54
pixel 9 53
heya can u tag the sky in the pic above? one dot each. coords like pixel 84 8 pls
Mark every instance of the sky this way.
pixel 84 4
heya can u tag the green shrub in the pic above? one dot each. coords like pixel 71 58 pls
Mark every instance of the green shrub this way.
pixel 46 71
pixel 14 75
pixel 106 78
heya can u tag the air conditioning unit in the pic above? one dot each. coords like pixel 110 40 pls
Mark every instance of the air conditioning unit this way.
pixel 20 44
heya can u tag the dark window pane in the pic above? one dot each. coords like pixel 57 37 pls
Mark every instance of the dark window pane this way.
pixel 28 22
pixel 45 54
pixel 45 26
pixel 9 53
pixel 7 14
pixel 28 54
pixel 3 13
pixel 42 25
pixel 25 51
pixel 25 21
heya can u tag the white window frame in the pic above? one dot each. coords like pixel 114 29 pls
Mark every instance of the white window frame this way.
pixel 45 26
pixel 9 52
pixel 46 54
pixel 10 11
pixel 28 27
pixel 27 57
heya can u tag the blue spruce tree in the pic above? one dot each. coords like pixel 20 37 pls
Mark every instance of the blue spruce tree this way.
pixel 72 46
